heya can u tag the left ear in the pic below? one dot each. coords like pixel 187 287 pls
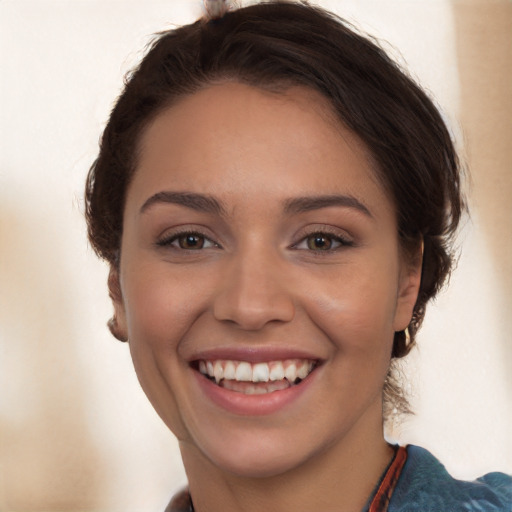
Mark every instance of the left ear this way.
pixel 117 324
pixel 408 288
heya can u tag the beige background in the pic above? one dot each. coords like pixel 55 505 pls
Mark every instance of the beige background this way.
pixel 76 432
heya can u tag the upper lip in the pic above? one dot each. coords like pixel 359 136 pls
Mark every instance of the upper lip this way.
pixel 252 354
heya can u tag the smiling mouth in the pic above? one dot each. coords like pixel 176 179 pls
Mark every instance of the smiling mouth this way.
pixel 256 378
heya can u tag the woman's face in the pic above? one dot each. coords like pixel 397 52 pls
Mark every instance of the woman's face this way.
pixel 261 278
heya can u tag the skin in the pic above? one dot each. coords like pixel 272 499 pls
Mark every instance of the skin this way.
pixel 260 282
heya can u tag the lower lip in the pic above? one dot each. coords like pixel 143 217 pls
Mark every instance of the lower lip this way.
pixel 253 405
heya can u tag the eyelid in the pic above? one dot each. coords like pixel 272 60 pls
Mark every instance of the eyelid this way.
pixel 337 234
pixel 171 235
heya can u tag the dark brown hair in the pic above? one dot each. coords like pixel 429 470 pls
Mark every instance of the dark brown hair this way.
pixel 277 45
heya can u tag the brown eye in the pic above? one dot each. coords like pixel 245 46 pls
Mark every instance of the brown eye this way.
pixel 187 241
pixel 319 242
pixel 190 241
pixel 324 242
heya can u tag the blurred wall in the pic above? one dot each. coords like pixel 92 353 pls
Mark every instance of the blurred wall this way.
pixel 76 432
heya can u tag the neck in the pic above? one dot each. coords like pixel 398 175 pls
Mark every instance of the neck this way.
pixel 341 478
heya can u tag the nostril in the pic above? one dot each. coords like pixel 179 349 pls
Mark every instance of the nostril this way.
pixel 254 292
pixel 253 313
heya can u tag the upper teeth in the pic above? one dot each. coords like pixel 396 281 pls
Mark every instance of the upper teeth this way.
pixel 289 369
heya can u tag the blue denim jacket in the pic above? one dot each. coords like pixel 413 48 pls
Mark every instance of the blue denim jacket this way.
pixel 425 486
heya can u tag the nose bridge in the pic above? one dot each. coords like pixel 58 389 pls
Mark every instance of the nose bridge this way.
pixel 254 289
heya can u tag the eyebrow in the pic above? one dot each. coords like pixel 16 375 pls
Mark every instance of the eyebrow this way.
pixel 199 202
pixel 208 204
pixel 306 204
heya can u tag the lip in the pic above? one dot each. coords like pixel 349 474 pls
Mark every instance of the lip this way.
pixel 253 405
pixel 253 355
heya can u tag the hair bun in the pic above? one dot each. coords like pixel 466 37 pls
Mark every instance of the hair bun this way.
pixel 216 8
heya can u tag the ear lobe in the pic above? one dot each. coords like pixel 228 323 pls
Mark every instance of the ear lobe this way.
pixel 409 287
pixel 117 324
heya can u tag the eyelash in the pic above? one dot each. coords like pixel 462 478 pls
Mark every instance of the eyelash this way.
pixel 168 241
pixel 326 233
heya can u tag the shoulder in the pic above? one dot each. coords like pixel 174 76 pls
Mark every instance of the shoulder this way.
pixel 425 485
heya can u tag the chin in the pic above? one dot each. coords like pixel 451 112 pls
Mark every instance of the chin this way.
pixel 260 464
pixel 259 454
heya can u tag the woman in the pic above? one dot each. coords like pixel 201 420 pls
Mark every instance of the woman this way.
pixel 276 201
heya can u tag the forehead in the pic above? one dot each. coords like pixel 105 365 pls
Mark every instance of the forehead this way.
pixel 233 137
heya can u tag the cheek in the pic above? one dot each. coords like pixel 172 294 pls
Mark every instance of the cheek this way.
pixel 160 309
pixel 356 315
pixel 355 309
pixel 160 306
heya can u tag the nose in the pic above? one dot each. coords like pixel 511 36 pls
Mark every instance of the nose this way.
pixel 254 292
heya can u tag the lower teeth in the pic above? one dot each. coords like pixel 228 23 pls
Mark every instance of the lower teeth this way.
pixel 249 388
